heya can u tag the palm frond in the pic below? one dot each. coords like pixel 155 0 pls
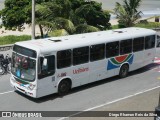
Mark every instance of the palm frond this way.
pixel 82 28
pixel 55 33
pixel 66 24
pixel 128 13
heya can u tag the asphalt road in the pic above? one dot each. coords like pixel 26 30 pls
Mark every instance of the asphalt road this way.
pixel 89 97
pixel 142 104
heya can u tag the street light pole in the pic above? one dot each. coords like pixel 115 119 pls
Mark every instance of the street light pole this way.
pixel 33 19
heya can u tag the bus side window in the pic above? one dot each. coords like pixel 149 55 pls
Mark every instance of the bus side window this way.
pixel 80 55
pixel 112 49
pixel 46 66
pixel 138 44
pixel 97 52
pixel 125 46
pixel 149 42
pixel 63 59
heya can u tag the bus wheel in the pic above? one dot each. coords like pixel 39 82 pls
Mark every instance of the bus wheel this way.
pixel 64 87
pixel 124 71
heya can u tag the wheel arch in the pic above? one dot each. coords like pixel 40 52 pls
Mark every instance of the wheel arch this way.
pixel 125 63
pixel 65 78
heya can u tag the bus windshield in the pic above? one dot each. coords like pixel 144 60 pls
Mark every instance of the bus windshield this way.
pixel 23 67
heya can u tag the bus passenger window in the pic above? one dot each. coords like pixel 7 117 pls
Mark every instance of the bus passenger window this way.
pixel 80 55
pixel 112 49
pixel 97 52
pixel 149 42
pixel 125 46
pixel 138 44
pixel 63 59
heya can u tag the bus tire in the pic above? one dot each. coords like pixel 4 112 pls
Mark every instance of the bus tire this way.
pixel 124 71
pixel 64 87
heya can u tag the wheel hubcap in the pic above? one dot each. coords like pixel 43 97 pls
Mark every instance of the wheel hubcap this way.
pixel 64 87
pixel 124 71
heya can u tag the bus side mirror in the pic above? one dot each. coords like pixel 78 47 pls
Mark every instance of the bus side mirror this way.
pixel 44 64
pixel 43 67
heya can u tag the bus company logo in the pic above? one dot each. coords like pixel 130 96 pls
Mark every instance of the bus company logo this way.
pixel 80 70
pixel 117 61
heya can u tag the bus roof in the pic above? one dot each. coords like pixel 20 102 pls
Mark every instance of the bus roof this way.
pixel 51 44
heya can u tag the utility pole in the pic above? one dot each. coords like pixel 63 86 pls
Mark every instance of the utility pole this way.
pixel 33 19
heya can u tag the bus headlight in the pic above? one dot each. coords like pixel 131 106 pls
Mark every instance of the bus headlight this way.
pixel 31 87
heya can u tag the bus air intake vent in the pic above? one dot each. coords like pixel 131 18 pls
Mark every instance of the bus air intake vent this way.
pixel 55 40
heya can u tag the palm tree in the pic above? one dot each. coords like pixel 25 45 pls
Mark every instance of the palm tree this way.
pixel 128 13
pixel 92 14
pixel 50 16
pixel 82 28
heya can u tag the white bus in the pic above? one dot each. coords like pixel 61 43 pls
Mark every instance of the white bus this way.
pixel 57 64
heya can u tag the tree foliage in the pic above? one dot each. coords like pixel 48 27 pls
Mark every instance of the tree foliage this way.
pixel 57 15
pixel 128 13
pixel 54 15
pixel 85 29
pixel 69 15
pixel 14 15
pixel 92 14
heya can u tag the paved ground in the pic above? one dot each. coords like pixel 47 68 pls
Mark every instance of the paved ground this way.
pixel 143 102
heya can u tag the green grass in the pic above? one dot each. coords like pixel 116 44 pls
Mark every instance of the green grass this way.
pixel 149 25
pixel 11 39
pixel 114 26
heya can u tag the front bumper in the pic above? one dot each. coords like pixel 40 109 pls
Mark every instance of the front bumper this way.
pixel 21 88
